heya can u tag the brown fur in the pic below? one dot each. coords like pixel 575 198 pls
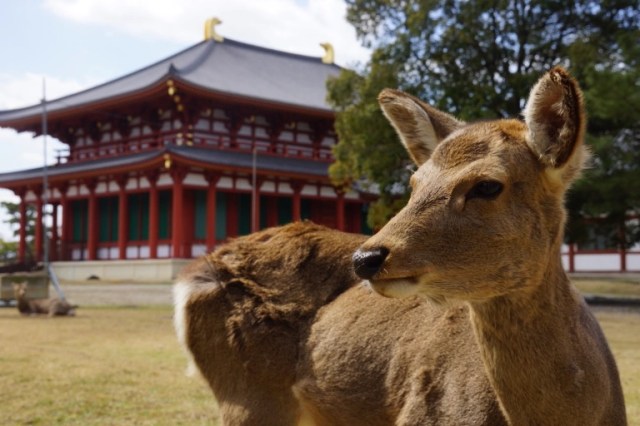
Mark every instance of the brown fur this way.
pixel 283 332
pixel 51 307
pixel 544 353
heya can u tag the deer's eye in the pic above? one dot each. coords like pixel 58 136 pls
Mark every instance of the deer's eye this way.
pixel 486 189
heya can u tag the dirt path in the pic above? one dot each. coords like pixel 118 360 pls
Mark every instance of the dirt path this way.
pixel 90 294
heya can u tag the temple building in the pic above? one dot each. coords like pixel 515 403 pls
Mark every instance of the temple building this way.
pixel 219 140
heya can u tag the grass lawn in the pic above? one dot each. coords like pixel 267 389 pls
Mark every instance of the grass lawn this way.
pixel 107 366
pixel 623 333
pixel 123 366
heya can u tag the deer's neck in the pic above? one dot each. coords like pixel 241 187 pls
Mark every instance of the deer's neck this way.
pixel 535 352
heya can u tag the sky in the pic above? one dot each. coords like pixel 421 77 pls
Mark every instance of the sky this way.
pixel 70 45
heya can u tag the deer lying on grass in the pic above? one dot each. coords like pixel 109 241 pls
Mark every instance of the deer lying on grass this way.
pixel 50 307
pixel 281 330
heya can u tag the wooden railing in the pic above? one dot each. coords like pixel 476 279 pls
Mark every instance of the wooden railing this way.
pixel 218 142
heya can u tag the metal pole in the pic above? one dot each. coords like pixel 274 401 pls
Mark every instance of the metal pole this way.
pixel 56 284
pixel 45 180
pixel 45 198
pixel 254 191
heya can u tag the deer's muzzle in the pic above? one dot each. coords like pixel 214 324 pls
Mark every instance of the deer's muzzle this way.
pixel 368 262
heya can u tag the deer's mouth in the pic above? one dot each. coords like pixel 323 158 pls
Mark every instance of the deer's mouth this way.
pixel 397 287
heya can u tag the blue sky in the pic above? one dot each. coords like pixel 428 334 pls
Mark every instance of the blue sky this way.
pixel 75 44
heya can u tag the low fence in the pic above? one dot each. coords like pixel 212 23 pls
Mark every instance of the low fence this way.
pixel 37 285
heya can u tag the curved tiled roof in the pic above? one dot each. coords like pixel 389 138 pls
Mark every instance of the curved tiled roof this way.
pixel 205 158
pixel 244 160
pixel 79 168
pixel 224 68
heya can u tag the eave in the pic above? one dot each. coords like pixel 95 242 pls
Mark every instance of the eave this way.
pixel 85 170
pixel 210 160
pixel 33 122
pixel 241 163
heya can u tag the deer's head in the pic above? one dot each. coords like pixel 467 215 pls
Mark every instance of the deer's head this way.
pixel 20 289
pixel 486 212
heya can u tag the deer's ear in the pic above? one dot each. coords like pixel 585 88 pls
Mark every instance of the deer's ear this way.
pixel 420 126
pixel 556 120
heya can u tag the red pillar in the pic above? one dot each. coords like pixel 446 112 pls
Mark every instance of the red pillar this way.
pixel 340 211
pixel 53 251
pixel 123 215
pixel 356 218
pixel 623 251
pixel 211 211
pixel 272 211
pixel 64 232
pixel 572 253
pixel 22 245
pixel 92 237
pixel 177 221
pixel 297 201
pixel 38 237
pixel 153 215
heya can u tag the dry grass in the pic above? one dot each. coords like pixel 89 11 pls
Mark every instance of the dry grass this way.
pixel 626 288
pixel 103 367
pixel 623 332
pixel 123 366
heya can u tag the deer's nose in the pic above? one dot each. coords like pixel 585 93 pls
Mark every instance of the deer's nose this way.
pixel 367 262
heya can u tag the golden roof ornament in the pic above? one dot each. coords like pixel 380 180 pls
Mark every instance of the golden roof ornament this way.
pixel 210 30
pixel 329 56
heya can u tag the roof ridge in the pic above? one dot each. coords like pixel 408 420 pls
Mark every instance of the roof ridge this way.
pixel 196 62
pixel 278 52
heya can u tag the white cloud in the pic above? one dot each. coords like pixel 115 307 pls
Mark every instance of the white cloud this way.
pixel 280 24
pixel 20 151
pixel 26 89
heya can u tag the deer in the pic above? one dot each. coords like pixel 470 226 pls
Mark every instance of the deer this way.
pixel 478 325
pixel 285 333
pixel 51 307
pixel 484 225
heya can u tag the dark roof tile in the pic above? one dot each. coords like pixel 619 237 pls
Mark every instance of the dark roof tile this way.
pixel 209 158
pixel 229 67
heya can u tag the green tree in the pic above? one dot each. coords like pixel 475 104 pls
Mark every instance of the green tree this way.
pixel 366 158
pixel 8 251
pixel 610 189
pixel 13 220
pixel 475 60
